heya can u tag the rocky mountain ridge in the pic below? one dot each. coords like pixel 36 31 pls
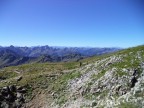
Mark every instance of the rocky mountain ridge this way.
pixel 36 51
pixel 12 56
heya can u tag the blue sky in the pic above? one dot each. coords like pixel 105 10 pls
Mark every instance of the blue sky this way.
pixel 96 23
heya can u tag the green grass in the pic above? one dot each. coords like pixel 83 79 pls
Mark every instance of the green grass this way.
pixel 129 105
pixel 8 75
pixel 42 76
pixel 120 73
pixel 99 75
pixel 59 86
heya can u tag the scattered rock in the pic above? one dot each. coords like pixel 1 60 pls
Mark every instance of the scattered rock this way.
pixel 135 72
pixel 19 88
pixel 19 78
pixel 12 97
pixel 82 91
pixel 95 90
pixel 117 88
pixel 94 103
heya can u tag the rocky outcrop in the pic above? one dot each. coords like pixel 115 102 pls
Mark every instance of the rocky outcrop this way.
pixel 12 97
pixel 109 82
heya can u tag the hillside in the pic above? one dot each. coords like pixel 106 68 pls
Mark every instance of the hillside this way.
pixel 11 58
pixel 106 81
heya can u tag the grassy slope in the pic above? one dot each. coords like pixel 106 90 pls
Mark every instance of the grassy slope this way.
pixel 53 77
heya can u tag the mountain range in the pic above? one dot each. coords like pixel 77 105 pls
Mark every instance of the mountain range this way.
pixel 39 54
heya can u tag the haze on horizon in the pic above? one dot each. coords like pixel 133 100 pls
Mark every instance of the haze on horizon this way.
pixel 93 23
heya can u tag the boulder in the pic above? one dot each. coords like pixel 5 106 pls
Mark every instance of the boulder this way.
pixel 18 104
pixel 20 97
pixel 133 81
pixel 82 91
pixel 19 78
pixel 12 88
pixel 1 98
pixel 135 72
pixel 4 92
pixel 94 103
pixel 4 105
pixel 117 88
pixel 22 91
pixel 95 90
pixel 10 98
pixel 19 88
